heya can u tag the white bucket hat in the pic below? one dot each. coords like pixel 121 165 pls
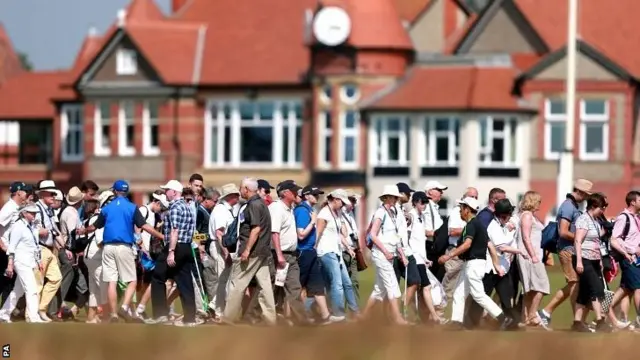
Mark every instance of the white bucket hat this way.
pixel 229 189
pixel 340 194
pixel 390 190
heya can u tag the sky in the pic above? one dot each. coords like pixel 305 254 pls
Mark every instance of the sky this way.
pixel 50 32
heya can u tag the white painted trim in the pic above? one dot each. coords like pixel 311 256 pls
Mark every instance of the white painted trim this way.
pixel 343 94
pixel 98 149
pixel 344 134
pixel 147 148
pixel 403 136
pixel 430 134
pixel 548 119
pixel 486 152
pixel 123 149
pixel 126 62
pixel 591 120
pixel 324 132
pixel 66 130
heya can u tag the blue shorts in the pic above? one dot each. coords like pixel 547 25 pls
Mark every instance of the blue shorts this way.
pixel 630 279
pixel 310 272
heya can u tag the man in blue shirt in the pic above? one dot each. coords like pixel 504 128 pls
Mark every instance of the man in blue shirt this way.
pixel 486 215
pixel 310 275
pixel 118 259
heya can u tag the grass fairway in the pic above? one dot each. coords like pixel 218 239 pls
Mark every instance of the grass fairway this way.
pixel 362 341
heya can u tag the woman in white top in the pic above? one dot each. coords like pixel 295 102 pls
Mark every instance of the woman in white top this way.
pixel 349 219
pixel 417 243
pixel 24 261
pixel 385 246
pixel 499 275
pixel 331 235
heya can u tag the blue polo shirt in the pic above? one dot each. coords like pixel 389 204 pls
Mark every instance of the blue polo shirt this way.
pixel 302 214
pixel 118 219
pixel 485 216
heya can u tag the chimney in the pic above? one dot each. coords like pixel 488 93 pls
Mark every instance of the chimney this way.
pixel 176 5
pixel 122 17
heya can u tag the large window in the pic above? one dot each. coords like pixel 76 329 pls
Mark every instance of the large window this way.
pixel 263 132
pixel 102 131
pixel 555 114
pixel 325 132
pixel 150 129
pixel 390 142
pixel 126 62
pixel 126 127
pixel 349 128
pixel 72 123
pixel 35 143
pixel 594 129
pixel 498 142
pixel 441 140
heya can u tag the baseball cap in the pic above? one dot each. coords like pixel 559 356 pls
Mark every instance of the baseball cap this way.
pixel 504 207
pixel 17 186
pixel 474 204
pixel 433 184
pixel 173 185
pixel 288 185
pixel 120 186
pixel 264 184
pixel 162 198
pixel 404 188
pixel 311 190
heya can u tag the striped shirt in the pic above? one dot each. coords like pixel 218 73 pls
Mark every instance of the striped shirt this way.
pixel 181 218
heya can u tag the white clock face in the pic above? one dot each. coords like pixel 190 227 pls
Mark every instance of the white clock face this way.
pixel 332 26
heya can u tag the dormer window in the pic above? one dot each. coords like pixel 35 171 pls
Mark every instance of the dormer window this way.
pixel 350 93
pixel 126 62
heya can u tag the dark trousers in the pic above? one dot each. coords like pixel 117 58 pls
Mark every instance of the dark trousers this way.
pixel 6 284
pixel 67 271
pixel 504 286
pixel 181 274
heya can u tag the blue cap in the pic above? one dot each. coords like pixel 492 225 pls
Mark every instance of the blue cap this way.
pixel 121 186
pixel 17 186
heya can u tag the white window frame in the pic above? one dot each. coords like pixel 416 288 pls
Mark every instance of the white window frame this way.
pixel 428 136
pixel 550 118
pixel 379 157
pixel 344 134
pixel 126 62
pixel 277 124
pixel 598 119
pixel 98 148
pixel 73 130
pixel 343 94
pixel 325 131
pixel 123 122
pixel 486 152
pixel 147 123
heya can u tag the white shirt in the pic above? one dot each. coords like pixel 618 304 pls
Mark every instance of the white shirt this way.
pixel 330 240
pixel 432 219
pixel 23 244
pixel 389 231
pixel 150 217
pixel 500 236
pixel 93 251
pixel 403 231
pixel 418 237
pixel 455 222
pixel 8 216
pixel 221 217
pixel 48 222
pixel 350 222
pixel 284 223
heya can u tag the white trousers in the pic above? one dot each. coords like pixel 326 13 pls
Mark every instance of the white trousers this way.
pixel 27 285
pixel 386 284
pixel 470 283
pixel 97 287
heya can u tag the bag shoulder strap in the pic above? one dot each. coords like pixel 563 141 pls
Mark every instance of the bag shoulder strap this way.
pixel 627 226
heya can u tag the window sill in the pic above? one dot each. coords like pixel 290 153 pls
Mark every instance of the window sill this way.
pixel 72 158
pixel 390 171
pixel 151 151
pixel 102 152
pixel 585 157
pixel 439 170
pixel 253 166
pixel 499 172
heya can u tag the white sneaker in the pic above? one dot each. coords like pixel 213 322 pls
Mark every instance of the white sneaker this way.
pixel 337 319
pixel 5 320
pixel 623 324
pixel 189 324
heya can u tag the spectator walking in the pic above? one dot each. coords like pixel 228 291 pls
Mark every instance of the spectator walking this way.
pixel 8 216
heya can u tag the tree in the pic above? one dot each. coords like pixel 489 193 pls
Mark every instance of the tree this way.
pixel 25 62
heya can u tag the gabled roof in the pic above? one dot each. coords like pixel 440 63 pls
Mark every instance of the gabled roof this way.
pixel 31 95
pixel 9 61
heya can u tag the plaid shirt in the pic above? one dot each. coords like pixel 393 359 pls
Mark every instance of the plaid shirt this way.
pixel 179 217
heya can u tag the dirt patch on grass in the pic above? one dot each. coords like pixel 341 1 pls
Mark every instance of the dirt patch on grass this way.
pixel 356 341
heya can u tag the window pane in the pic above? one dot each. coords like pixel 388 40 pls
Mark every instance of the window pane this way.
pixel 557 107
pixel 285 143
pixel 214 143
pixel 557 137
pixel 594 142
pixel 266 110
pixel 226 110
pixel 393 124
pixel 297 109
pixel 35 143
pixel 393 153
pixel 498 125
pixel 442 124
pixel 349 149
pixel 130 135
pixel 327 120
pixel 299 143
pixel 256 144
pixel 327 149
pixel 227 144
pixel 105 110
pixel 284 110
pixel 497 155
pixel 105 135
pixel 595 107
pixel 483 133
pixel 246 110
pixel 442 149
pixel 513 140
pixel 350 120
pixel 153 110
pixel 128 110
pixel 456 135
pixel 350 91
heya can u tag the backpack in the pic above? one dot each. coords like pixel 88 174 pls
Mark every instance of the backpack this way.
pixel 369 239
pixel 550 237
pixel 232 233
pixel 155 244
pixel 625 232
pixel 80 243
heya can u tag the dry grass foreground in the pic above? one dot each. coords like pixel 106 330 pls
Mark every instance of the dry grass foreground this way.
pixel 368 341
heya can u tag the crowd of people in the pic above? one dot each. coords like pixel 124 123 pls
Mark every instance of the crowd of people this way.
pixel 292 255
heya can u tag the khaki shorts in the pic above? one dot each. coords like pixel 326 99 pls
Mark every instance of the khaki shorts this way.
pixel 567 266
pixel 118 263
